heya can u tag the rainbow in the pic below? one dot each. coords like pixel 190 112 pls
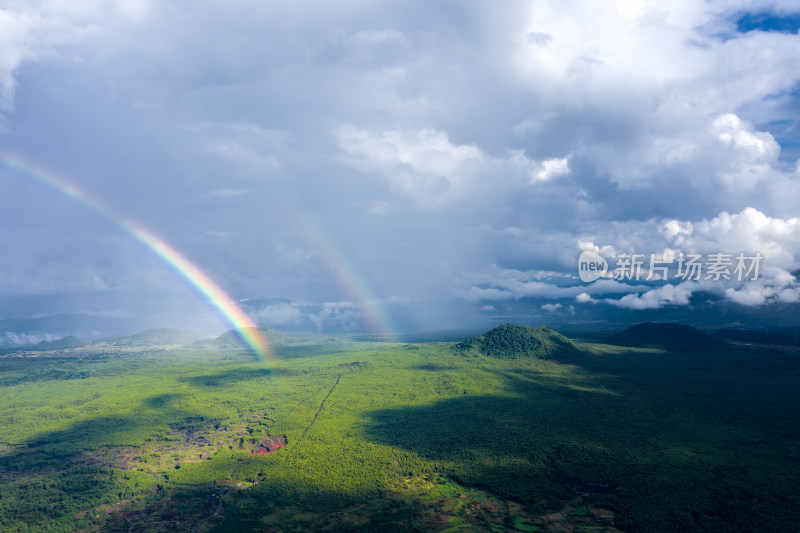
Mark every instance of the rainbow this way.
pixel 227 308
pixel 349 278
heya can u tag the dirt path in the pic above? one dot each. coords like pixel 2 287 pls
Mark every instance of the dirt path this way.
pixel 321 405
pixel 235 468
pixel 217 512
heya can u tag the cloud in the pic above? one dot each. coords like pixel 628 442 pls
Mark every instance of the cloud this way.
pixel 426 165
pixel 749 233
pixel 279 314
pixel 10 338
pixel 590 50
pixel 423 163
pixel 552 168
pixel 476 294
pixel 744 234
pixel 36 31
pixel 424 154
pixel 583 298
pixel 655 298
pixel 725 159
pixel 425 151
pixel 789 295
pixel 750 296
pixel 507 284
pixel 344 314
pixel 663 117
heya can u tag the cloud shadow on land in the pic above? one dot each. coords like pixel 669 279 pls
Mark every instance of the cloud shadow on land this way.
pixel 502 442
pixel 229 377
pixel 659 441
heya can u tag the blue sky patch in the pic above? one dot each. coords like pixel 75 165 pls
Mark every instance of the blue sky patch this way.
pixel 781 23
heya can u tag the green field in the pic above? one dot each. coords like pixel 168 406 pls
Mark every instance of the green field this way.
pixel 401 437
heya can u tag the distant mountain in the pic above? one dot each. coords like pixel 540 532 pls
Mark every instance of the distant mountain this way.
pixel 29 331
pixel 44 346
pixel 232 340
pixel 756 337
pixel 52 322
pixel 156 337
pixel 151 337
pixel 673 337
pixel 60 344
pixel 511 341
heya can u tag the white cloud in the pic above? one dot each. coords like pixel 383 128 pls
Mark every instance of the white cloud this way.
pixel 280 314
pixel 748 232
pixel 675 231
pixel 423 163
pixel 605 250
pixel 656 101
pixel 507 284
pixel 426 151
pixel 752 231
pixel 750 295
pixel 33 31
pixel 583 298
pixel 9 338
pixel 733 132
pixel 511 136
pixel 428 166
pixel 656 298
pixel 552 168
pixel 789 295
pixel 725 158
pixel 669 51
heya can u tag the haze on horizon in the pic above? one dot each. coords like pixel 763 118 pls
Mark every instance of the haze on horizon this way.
pixel 359 166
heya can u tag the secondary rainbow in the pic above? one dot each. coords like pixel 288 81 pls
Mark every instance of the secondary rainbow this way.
pixel 198 279
pixel 356 286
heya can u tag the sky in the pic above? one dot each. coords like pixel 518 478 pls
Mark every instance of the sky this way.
pixel 397 167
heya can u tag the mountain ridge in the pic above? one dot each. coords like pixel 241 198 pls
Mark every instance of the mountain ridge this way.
pixel 666 336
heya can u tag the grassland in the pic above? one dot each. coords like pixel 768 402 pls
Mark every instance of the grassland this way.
pixel 401 437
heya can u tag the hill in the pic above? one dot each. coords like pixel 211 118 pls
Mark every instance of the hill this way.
pixel 673 337
pixel 60 344
pixel 511 341
pixel 161 337
pixel 44 346
pixel 152 338
pixel 232 340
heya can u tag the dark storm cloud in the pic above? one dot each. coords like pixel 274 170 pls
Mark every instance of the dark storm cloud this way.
pixel 332 154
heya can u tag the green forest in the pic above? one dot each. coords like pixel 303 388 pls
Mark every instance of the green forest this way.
pixel 520 429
